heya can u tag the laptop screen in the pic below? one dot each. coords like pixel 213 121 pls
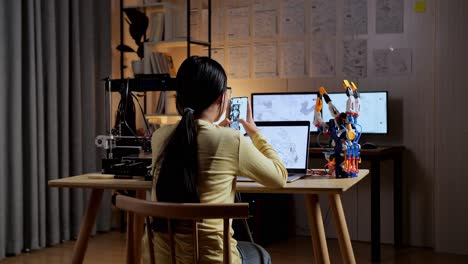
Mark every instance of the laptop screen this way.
pixel 284 107
pixel 291 140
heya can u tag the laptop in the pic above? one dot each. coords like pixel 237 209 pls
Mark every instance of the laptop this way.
pixel 291 140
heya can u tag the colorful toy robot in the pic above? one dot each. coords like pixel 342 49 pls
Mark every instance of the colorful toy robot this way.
pixel 343 161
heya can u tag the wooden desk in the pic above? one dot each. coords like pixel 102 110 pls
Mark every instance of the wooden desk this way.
pixel 310 186
pixel 375 156
pixel 134 229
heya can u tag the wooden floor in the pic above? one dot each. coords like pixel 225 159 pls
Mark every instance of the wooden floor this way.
pixel 110 248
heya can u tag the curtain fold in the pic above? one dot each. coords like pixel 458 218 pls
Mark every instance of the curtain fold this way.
pixel 53 55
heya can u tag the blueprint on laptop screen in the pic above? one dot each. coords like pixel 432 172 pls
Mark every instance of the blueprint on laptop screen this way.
pixel 284 107
pixel 290 142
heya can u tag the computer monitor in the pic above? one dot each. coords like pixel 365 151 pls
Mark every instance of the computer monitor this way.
pixel 284 107
pixel 373 115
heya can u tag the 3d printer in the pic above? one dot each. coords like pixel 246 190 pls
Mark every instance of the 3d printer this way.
pixel 127 154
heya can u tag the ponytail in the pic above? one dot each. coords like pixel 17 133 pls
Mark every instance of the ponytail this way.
pixel 177 181
pixel 200 82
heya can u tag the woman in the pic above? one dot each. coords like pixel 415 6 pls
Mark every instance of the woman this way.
pixel 197 161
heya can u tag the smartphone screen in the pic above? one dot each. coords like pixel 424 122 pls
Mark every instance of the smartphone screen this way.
pixel 238 110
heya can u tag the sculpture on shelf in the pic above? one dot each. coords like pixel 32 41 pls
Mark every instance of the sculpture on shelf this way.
pixel 343 161
pixel 138 24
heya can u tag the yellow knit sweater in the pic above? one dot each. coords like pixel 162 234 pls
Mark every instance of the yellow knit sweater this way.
pixel 223 153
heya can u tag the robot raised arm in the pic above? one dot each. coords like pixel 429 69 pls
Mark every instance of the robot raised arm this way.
pixel 350 103
pixel 331 107
pixel 357 104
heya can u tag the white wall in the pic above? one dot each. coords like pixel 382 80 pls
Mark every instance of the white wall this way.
pixel 451 168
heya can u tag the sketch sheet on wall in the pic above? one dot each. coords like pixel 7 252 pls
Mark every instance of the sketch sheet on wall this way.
pixel 239 62
pixel 238 23
pixel 292 59
pixel 265 64
pixel 292 18
pixel 392 62
pixel 355 58
pixel 355 17
pixel 323 17
pixel 322 61
pixel 217 54
pixel 389 16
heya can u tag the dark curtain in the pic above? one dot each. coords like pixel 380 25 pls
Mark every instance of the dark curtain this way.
pixel 53 55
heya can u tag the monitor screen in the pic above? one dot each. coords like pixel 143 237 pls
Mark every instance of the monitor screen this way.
pixel 284 107
pixel 291 141
pixel 373 115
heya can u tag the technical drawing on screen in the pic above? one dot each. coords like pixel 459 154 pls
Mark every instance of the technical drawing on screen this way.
pixel 284 107
pixel 373 117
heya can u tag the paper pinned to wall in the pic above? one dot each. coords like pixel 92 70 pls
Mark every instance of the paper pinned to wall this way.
pixel 217 54
pixel 323 17
pixel 181 28
pixel 237 3
pixel 217 25
pixel 239 62
pixel 292 18
pixel 355 58
pixel 355 17
pixel 292 59
pixel 389 16
pixel 322 58
pixel 264 5
pixel 392 62
pixel 238 23
pixel 265 61
pixel 265 24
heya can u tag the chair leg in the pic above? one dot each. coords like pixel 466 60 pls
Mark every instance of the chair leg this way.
pixel 226 243
pixel 138 227
pixel 130 239
pixel 170 233
pixel 149 232
pixel 195 241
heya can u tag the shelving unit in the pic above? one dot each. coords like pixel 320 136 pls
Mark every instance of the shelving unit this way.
pixel 170 25
pixel 173 41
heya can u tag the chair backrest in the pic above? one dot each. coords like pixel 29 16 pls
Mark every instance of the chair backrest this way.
pixel 186 211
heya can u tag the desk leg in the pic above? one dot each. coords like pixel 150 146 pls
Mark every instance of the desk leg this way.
pixel 138 227
pixel 317 231
pixel 130 238
pixel 88 222
pixel 397 202
pixel 342 229
pixel 375 210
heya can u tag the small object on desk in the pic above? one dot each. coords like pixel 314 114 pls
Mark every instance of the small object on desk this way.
pixel 368 145
pixel 128 177
pixel 316 172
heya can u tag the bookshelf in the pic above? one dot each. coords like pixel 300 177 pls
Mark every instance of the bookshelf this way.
pixel 181 32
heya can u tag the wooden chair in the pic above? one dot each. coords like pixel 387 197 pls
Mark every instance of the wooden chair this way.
pixel 187 211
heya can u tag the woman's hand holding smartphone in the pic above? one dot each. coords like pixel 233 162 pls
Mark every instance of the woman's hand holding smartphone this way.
pixel 241 116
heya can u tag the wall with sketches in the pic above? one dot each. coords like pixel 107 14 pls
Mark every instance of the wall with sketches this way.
pixel 299 45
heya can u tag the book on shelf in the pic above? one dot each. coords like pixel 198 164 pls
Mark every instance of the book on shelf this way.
pixel 162 63
pixel 156 27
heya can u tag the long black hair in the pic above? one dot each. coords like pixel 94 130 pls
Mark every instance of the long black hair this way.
pixel 199 83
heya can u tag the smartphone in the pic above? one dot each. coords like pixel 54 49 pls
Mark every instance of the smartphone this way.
pixel 238 110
